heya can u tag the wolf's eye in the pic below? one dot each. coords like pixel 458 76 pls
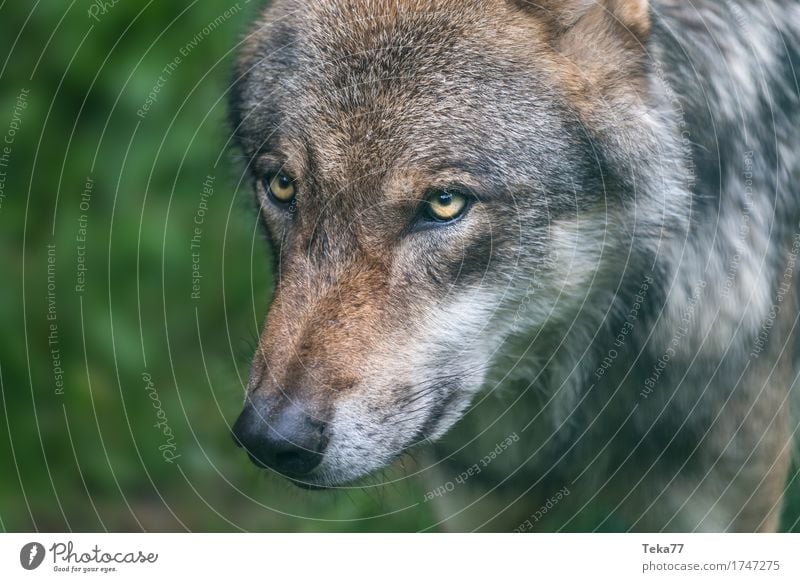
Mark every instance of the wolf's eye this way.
pixel 445 205
pixel 280 188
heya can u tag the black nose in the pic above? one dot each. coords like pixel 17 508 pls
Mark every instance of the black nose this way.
pixel 281 436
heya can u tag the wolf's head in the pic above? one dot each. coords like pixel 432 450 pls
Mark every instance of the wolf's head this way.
pixel 435 177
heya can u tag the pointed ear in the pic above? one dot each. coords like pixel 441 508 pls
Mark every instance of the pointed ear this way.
pixel 593 31
pixel 605 40
pixel 628 20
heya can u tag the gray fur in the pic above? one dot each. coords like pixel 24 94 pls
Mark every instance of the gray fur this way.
pixel 630 263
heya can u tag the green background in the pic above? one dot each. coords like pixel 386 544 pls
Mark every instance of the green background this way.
pixel 89 459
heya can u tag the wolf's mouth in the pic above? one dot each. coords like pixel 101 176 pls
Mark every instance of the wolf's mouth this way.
pixel 309 486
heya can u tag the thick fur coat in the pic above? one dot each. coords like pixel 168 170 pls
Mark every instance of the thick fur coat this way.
pixel 624 269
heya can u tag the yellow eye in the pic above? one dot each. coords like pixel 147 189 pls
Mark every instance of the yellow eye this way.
pixel 444 205
pixel 281 188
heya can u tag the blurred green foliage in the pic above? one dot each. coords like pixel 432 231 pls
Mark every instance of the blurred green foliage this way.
pixel 91 456
pixel 89 459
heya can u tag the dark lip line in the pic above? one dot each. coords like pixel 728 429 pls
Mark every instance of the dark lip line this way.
pixel 436 414
pixel 297 481
pixel 307 486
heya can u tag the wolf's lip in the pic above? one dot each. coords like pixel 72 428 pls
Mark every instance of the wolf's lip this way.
pixel 294 479
pixel 307 486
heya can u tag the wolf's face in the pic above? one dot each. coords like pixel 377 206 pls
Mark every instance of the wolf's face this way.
pixel 430 187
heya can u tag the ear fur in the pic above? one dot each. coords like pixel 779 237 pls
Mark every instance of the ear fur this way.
pixel 604 42
pixel 593 31
pixel 629 18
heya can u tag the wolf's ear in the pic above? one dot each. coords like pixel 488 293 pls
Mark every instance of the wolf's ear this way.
pixel 627 20
pixel 594 34
pixel 604 39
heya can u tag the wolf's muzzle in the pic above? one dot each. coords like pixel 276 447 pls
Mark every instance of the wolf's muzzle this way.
pixel 281 436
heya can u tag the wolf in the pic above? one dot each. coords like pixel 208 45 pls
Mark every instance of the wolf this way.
pixel 589 202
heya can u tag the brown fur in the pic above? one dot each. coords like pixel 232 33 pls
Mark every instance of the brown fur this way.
pixel 321 323
pixel 553 119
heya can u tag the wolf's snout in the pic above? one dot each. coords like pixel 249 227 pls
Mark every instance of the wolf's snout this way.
pixel 281 436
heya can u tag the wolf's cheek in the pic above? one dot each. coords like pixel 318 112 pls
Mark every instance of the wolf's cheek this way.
pixel 419 385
